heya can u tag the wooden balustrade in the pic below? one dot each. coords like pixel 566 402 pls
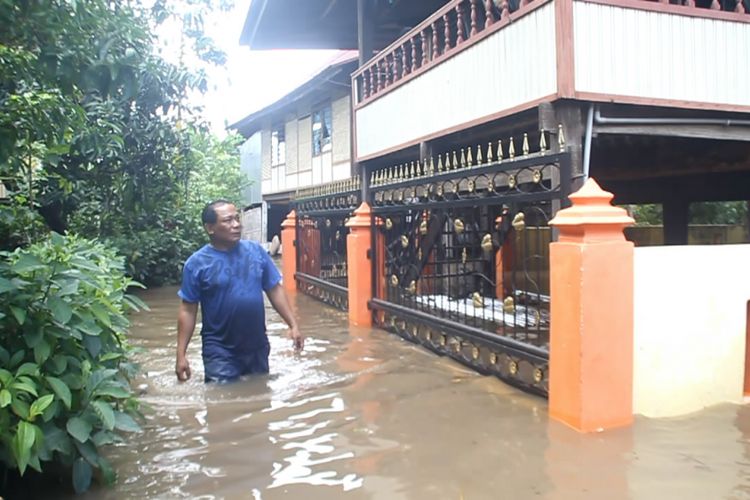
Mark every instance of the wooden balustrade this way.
pixel 459 21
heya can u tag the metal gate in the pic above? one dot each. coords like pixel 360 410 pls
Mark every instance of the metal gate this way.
pixel 461 256
pixel 322 213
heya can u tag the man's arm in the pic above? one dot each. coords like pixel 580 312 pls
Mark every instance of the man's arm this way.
pixel 279 301
pixel 185 326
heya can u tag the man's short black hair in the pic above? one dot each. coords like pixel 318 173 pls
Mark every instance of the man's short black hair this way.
pixel 208 216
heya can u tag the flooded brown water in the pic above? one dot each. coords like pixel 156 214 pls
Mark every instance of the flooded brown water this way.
pixel 361 414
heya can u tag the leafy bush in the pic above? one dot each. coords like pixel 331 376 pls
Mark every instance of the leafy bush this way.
pixel 64 376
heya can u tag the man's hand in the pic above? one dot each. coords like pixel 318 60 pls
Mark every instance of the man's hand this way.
pixel 182 369
pixel 298 340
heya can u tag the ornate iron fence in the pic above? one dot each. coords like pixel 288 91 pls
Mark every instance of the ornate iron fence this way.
pixel 322 213
pixel 461 253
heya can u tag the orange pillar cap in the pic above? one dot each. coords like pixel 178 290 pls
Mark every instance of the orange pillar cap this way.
pixel 592 216
pixel 361 216
pixel 291 219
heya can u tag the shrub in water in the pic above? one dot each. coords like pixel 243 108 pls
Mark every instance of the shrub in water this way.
pixel 64 372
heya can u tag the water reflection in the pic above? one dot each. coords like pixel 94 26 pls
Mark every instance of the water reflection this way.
pixel 362 414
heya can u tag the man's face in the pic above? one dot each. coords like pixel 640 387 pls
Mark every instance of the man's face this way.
pixel 226 230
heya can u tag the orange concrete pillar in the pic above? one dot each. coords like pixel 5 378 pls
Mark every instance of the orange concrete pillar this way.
pixel 591 337
pixel 358 244
pixel 289 251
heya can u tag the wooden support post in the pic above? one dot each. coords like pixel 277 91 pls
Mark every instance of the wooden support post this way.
pixel 591 338
pixel 676 218
pixel 289 251
pixel 359 263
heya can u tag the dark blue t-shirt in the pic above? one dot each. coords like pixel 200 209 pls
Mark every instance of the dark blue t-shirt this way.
pixel 229 286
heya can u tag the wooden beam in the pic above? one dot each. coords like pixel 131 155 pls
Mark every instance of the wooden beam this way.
pixel 364 31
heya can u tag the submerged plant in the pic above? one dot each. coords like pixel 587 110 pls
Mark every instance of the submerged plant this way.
pixel 64 370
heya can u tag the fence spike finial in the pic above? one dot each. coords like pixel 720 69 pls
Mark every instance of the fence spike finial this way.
pixel 462 164
pixel 525 145
pixel 411 171
pixel 432 166
pixel 469 158
pixel 489 152
pixel 542 142
pixel 512 149
pixel 440 164
pixel 480 161
pixel 499 150
pixel 454 161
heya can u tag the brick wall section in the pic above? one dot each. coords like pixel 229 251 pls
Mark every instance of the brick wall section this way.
pixel 341 129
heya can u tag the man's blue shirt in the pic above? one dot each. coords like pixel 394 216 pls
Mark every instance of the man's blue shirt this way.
pixel 229 286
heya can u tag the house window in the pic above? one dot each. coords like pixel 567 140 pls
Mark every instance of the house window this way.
pixel 278 146
pixel 321 130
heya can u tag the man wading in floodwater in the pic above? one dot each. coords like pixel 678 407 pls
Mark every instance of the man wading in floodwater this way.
pixel 227 278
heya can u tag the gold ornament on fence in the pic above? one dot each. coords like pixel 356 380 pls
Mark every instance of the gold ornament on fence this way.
pixel 509 305
pixel 477 300
pixel 458 226
pixel 519 221
pixel 394 280
pixel 487 243
pixel 404 241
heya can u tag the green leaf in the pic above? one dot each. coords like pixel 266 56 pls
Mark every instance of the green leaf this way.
pixel 52 411
pixel 16 358
pixel 88 452
pixel 42 352
pixel 101 314
pixel 110 356
pixel 4 356
pixel 125 422
pixel 6 285
pixel 19 314
pixel 5 377
pixel 108 473
pixel 23 386
pixel 103 437
pixel 113 391
pixel 93 345
pixel 79 429
pixel 55 439
pixel 5 398
pixel 57 364
pixel 27 263
pixel 20 408
pixel 105 413
pixel 33 337
pixel 28 369
pixel 61 310
pixel 68 287
pixel 89 328
pixel 136 303
pixel 81 475
pixel 61 390
pixel 38 406
pixel 23 441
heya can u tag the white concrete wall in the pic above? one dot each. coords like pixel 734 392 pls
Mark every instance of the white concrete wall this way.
pixel 689 327
pixel 631 52
pixel 511 67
